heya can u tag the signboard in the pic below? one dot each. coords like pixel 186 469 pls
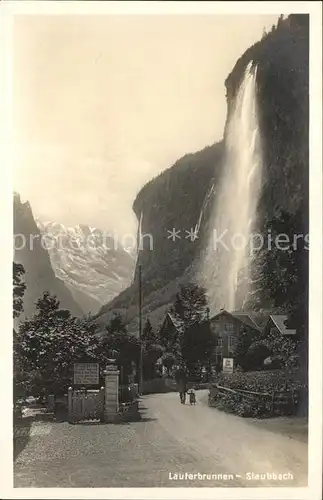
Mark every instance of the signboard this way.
pixel 227 365
pixel 112 368
pixel 86 373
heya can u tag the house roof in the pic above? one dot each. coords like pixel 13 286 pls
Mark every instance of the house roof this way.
pixel 244 318
pixel 279 321
pixel 260 319
pixel 176 321
pixel 247 319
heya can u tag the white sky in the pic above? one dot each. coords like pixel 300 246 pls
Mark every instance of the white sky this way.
pixel 103 104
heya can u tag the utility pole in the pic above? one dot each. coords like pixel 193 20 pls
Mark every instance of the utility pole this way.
pixel 140 331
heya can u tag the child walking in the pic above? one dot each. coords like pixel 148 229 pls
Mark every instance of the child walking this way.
pixel 192 397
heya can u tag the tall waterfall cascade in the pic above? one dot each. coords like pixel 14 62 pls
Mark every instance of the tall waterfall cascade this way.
pixel 138 244
pixel 226 268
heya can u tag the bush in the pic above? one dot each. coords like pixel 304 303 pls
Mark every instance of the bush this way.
pixel 256 354
pixel 261 381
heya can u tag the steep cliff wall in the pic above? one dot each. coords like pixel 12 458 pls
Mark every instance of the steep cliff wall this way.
pixel 175 200
pixel 39 275
pixel 282 57
pixel 179 197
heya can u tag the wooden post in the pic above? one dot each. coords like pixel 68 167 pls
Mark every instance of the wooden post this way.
pixel 70 405
pixel 51 402
pixel 140 332
pixel 273 402
pixel 102 404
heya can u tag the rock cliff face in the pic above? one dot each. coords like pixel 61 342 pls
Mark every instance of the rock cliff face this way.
pixel 29 251
pixel 180 197
pixel 282 57
pixel 92 264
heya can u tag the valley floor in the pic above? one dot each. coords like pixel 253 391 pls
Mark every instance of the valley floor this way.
pixel 170 439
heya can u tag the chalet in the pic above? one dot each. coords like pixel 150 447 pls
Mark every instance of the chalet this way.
pixel 227 327
pixel 171 325
pixel 276 324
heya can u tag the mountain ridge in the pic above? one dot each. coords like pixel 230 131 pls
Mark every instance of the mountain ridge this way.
pixel 177 196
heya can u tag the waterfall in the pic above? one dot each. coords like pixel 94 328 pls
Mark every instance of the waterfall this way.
pixel 233 219
pixel 139 242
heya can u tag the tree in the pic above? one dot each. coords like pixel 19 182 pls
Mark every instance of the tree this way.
pixel 256 355
pixel 47 345
pixel 126 346
pixel 190 305
pixel 169 361
pixel 19 288
pixel 281 269
pixel 193 342
pixel 281 347
pixel 148 335
pixel 152 350
pixel 241 347
pixel 197 348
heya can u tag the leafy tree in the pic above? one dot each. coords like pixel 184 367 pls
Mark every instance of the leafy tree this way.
pixel 192 344
pixel 197 347
pixel 19 288
pixel 151 354
pixel 152 350
pixel 169 361
pixel 256 355
pixel 47 345
pixel 281 269
pixel 281 347
pixel 126 347
pixel 241 347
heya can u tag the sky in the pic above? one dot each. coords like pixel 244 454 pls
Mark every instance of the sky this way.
pixel 101 105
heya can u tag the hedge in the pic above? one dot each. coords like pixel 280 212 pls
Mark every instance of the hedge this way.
pixel 276 382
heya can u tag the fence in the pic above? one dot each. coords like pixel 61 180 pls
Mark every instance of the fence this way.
pixel 275 403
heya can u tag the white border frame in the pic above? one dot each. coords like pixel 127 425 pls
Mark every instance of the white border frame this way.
pixel 8 9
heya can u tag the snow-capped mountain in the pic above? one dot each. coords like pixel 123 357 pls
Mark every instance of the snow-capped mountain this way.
pixel 92 263
pixel 39 275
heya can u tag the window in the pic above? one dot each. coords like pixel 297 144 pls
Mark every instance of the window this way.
pixel 219 342
pixel 216 327
pixel 231 341
pixel 229 327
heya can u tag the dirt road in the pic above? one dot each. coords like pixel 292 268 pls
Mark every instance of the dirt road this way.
pixel 173 445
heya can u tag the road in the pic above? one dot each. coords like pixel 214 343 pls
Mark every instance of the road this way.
pixel 170 439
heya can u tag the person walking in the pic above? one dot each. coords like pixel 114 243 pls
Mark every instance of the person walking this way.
pixel 182 391
pixel 181 384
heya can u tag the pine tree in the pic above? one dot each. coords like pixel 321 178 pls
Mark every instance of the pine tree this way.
pixel 148 334
pixel 19 288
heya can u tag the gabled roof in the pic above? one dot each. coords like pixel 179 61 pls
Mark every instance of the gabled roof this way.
pixel 178 324
pixel 260 319
pixel 244 318
pixel 247 319
pixel 279 321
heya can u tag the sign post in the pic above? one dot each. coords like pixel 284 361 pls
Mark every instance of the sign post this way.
pixel 111 405
pixel 86 374
pixel 227 365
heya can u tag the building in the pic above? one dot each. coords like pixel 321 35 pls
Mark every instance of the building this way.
pixel 170 327
pixel 276 324
pixel 227 327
